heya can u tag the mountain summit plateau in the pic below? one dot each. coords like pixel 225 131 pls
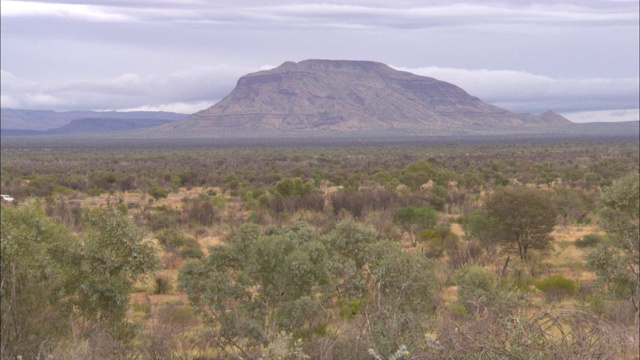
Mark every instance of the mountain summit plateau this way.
pixel 340 95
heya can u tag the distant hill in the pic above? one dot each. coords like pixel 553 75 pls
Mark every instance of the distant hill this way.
pixel 19 119
pixel 85 126
pixel 331 95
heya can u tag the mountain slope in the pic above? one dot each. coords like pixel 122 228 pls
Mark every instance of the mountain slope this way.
pixel 335 95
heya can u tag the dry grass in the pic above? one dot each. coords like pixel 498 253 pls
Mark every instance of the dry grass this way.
pixel 572 232
pixel 566 259
pixel 457 229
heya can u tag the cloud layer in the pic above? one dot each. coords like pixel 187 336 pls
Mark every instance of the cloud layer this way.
pixel 525 92
pixel 572 56
pixel 365 14
pixel 199 88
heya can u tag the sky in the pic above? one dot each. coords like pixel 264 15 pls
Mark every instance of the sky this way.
pixel 579 58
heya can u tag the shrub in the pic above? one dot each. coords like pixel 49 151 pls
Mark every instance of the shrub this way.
pixel 589 240
pixel 94 192
pixel 557 286
pixel 192 252
pixel 596 303
pixel 161 220
pixel 521 280
pixel 161 285
pixel 172 240
pixel 158 193
pixel 476 287
pixel 199 211
pixel 351 310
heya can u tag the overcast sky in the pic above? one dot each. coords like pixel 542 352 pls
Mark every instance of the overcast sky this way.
pixel 579 58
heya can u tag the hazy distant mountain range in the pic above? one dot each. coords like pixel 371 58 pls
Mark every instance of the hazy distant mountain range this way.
pixel 316 97
pixel 56 122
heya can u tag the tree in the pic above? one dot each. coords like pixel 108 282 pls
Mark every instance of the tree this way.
pixel 33 268
pixel 617 260
pixel 526 217
pixel 401 294
pixel 270 276
pixel 102 271
pixel 417 174
pixel 545 173
pixel 572 175
pixel 347 244
pixel 157 193
pixel 413 219
pixel 54 284
pixel 292 186
pixel 482 226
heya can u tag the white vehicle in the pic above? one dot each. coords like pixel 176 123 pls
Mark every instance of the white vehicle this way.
pixel 6 198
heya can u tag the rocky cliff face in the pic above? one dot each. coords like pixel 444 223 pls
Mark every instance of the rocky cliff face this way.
pixel 330 95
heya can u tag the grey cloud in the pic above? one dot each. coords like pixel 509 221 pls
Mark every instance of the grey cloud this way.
pixel 201 85
pixel 359 14
pixel 514 90
pixel 525 92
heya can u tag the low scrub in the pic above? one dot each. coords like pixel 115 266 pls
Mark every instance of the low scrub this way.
pixel 557 286
pixel 588 241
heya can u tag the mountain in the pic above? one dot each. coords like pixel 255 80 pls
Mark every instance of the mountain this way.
pixel 49 119
pixel 352 96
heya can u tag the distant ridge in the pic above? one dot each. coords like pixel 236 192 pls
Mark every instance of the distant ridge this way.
pixel 340 95
pixel 20 119
pixel 91 126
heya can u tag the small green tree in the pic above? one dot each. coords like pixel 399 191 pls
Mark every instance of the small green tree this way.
pixel 54 284
pixel 34 262
pixel 157 193
pixel 270 276
pixel 292 186
pixel 98 283
pixel 616 260
pixel 413 219
pixel 526 217
pixel 417 174
pixel 481 225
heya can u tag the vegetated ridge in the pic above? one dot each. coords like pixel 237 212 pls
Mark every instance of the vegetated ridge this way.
pixel 21 119
pixel 338 95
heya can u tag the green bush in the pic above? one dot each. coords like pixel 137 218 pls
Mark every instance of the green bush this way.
pixel 596 303
pixel 63 190
pixel 476 287
pixel 557 286
pixel 159 220
pixel 193 252
pixel 521 280
pixel 161 285
pixel 588 241
pixel 158 193
pixel 172 240
pixel 94 192
pixel 350 310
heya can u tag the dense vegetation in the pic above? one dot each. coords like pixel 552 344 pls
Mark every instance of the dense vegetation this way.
pixel 417 250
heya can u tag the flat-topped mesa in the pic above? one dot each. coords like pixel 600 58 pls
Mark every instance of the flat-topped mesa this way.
pixel 341 95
